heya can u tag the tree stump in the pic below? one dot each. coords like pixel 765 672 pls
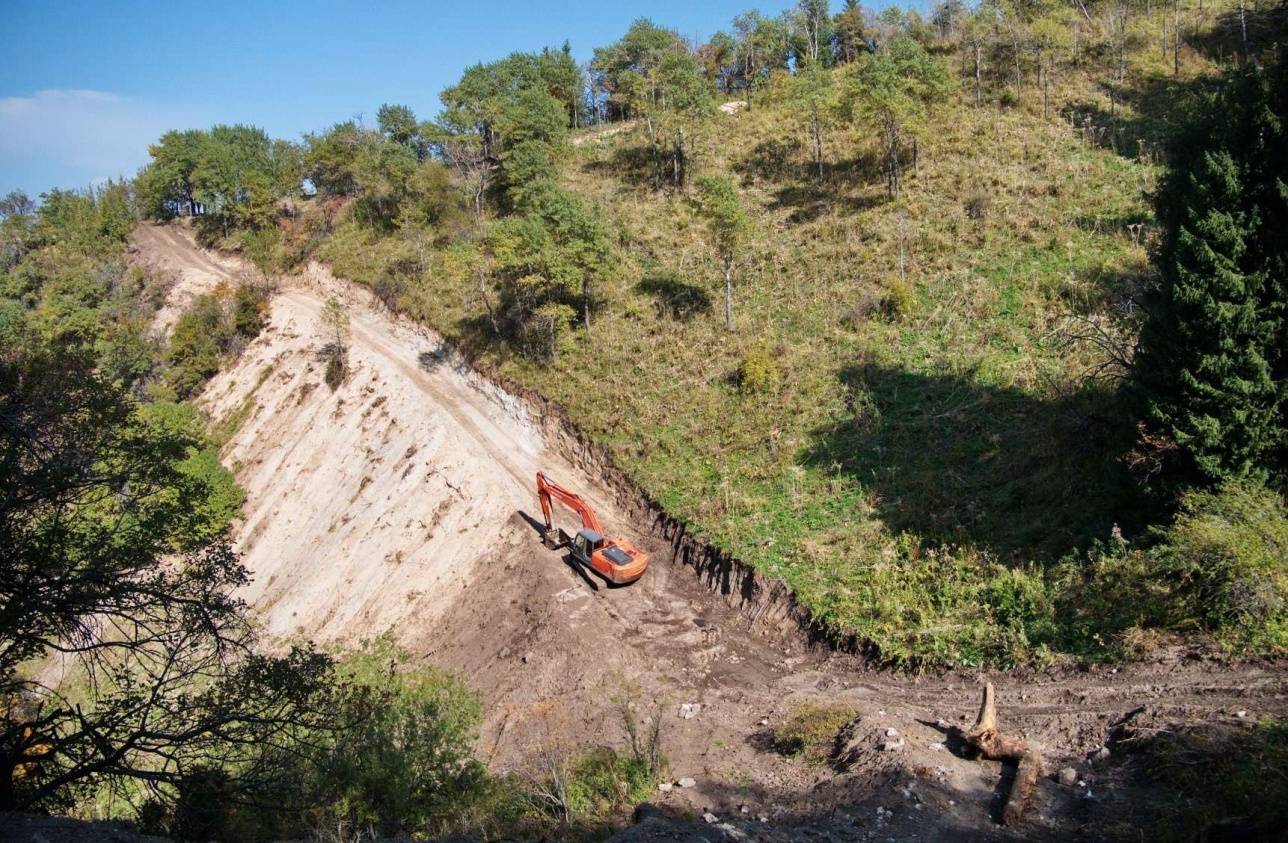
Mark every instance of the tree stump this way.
pixel 990 743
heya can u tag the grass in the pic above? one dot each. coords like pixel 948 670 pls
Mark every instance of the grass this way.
pixel 1217 781
pixel 810 730
pixel 922 426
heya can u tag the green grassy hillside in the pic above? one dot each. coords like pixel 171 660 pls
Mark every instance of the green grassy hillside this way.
pixel 917 420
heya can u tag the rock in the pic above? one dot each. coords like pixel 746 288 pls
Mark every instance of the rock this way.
pixel 743 809
pixel 710 817
pixel 690 710
pixel 1100 755
pixel 892 733
pixel 1068 777
pixel 526 658
pixel 764 721
pixel 892 746
pixel 935 747
pixel 686 782
pixel 1241 714
pixel 665 787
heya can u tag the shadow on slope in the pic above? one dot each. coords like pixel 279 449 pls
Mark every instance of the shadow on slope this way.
pixel 954 460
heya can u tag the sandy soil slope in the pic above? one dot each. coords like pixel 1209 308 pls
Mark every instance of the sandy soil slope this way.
pixel 199 272
pixel 394 504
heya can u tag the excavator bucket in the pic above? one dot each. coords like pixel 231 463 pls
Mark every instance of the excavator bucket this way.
pixel 554 538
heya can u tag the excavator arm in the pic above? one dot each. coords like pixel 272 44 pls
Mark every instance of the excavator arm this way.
pixel 547 489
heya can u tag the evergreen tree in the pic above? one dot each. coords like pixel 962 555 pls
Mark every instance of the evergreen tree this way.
pixel 1211 369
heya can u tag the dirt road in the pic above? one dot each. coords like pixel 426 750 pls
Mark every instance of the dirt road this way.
pixel 393 505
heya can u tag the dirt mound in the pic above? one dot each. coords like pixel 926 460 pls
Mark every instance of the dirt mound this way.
pixel 396 504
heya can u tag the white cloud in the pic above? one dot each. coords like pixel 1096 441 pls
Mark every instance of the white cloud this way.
pixel 73 137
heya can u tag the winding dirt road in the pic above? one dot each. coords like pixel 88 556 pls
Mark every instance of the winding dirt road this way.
pixel 393 505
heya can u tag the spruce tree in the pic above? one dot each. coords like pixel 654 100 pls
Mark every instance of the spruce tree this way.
pixel 1210 370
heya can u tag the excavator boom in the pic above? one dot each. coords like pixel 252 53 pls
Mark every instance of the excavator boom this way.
pixel 547 489
pixel 616 560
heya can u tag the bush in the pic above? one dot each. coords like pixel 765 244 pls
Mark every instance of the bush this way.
pixel 405 764
pixel 810 730
pixel 1021 603
pixel 548 331
pixel 889 303
pixel 978 204
pixel 1220 568
pixel 605 780
pixel 213 330
pixel 1225 563
pixel 759 372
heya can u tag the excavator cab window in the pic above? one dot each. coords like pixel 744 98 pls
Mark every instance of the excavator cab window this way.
pixel 585 542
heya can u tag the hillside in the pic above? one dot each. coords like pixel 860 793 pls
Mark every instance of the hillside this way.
pixel 938 425
pixel 421 537
pixel 938 361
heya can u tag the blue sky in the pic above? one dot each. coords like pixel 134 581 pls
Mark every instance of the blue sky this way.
pixel 85 86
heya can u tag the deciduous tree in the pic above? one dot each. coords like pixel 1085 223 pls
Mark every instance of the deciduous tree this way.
pixel 727 223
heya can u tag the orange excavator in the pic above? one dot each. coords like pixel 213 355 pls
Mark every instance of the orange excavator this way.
pixel 616 560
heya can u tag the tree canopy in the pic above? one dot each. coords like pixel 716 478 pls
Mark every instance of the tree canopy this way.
pixel 1212 371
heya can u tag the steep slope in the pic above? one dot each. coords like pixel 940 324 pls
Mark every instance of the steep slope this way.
pixel 394 505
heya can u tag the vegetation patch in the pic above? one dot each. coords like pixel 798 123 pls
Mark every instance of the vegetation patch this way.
pixel 810 730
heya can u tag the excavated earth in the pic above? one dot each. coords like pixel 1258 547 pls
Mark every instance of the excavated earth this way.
pixel 402 503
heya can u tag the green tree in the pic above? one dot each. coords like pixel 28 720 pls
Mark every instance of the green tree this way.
pixel 618 67
pixel 727 222
pixel 335 332
pixel 509 118
pixel 551 256
pixel 112 521
pixel 814 97
pixel 719 60
pixel 398 125
pixel 764 46
pixel 233 173
pixel 1211 366
pixel 849 35
pixel 812 31
pixel 893 89
pixel 331 159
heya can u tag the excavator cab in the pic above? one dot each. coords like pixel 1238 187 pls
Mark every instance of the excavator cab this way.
pixel 616 560
pixel 585 543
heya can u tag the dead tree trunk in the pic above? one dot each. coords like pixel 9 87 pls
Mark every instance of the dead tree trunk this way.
pixel 728 302
pixel 979 82
pixel 816 130
pixel 985 739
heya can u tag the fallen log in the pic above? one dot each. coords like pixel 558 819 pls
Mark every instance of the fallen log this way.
pixel 990 743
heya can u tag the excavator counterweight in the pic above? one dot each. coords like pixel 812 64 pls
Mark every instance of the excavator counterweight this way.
pixel 616 560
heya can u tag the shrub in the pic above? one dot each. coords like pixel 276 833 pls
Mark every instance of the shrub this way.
pixel 213 330
pixel 978 204
pixel 810 730
pixel 548 331
pixel 1220 568
pixel 1225 563
pixel 759 372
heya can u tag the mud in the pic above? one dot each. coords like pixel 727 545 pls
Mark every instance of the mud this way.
pixel 397 504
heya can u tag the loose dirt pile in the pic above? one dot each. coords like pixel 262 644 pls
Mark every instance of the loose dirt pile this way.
pixel 395 504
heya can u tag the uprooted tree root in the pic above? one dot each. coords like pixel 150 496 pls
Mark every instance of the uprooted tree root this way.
pixel 989 743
